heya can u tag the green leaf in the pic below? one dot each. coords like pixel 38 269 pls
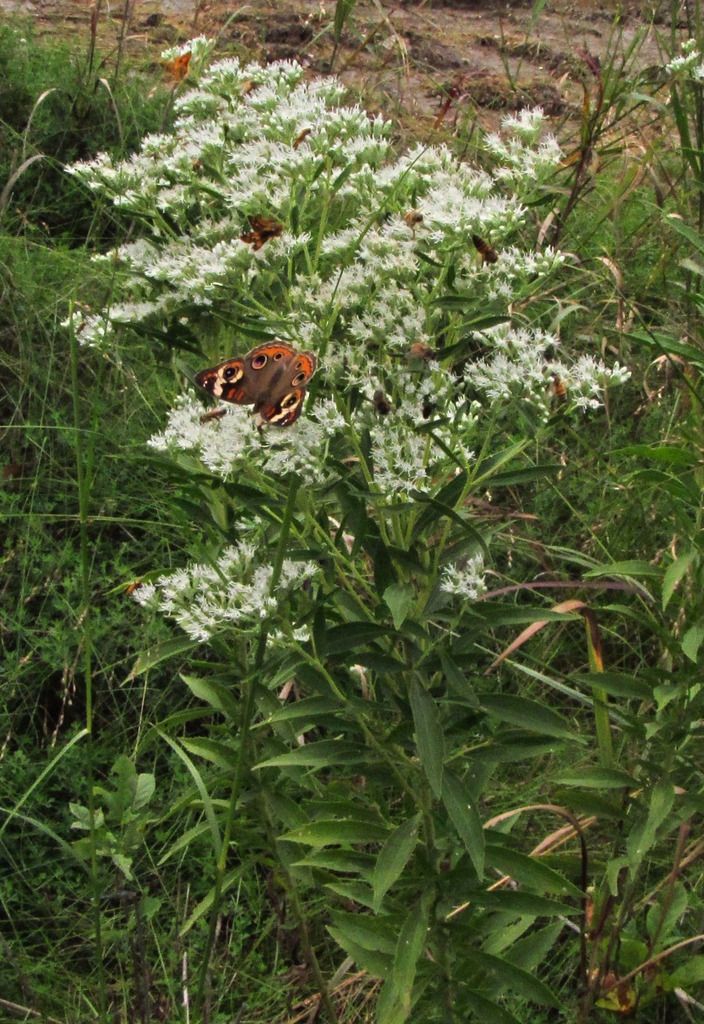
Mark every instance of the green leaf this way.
pixel 310 708
pixel 690 973
pixel 393 857
pixel 674 573
pixel 222 754
pixel 429 737
pixel 399 598
pixel 411 943
pixel 528 714
pixel 216 694
pixel 144 790
pixel 368 932
pixel 596 778
pixel 692 641
pixel 522 903
pixel 530 951
pixel 486 1011
pixel 642 837
pixel 206 903
pixel 160 652
pixel 618 684
pixel 501 975
pixel 351 889
pixel 464 816
pixel 664 453
pixel 337 859
pixel 375 963
pixel 349 636
pixel 335 832
pixel 531 871
pixel 323 754
pixel 632 567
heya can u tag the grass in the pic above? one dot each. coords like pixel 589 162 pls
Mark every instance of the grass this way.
pixel 88 510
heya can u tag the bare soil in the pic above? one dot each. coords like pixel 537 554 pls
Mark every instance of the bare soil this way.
pixel 426 62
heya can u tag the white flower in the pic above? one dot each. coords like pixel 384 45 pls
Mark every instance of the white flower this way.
pixel 234 590
pixel 464 580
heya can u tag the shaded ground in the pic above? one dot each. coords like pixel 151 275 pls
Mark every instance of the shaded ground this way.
pixel 411 57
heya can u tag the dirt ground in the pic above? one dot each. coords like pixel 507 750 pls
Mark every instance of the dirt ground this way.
pixel 414 58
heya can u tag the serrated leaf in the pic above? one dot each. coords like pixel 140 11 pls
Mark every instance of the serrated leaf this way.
pixel 528 714
pixel 522 903
pixel 160 652
pixel 618 684
pixel 323 754
pixel 349 636
pixel 464 816
pixel 393 857
pixel 531 871
pixel 374 962
pixel 505 975
pixel 486 1011
pixel 369 932
pixel 214 694
pixel 596 778
pixel 429 736
pixel 221 754
pixel 334 832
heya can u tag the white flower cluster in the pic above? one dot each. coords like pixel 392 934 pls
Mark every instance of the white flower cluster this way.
pixel 465 580
pixel 690 63
pixel 521 365
pixel 369 263
pixel 236 590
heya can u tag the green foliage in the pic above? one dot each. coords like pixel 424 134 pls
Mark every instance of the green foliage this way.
pixel 387 786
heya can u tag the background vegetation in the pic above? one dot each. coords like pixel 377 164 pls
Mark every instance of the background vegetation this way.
pixel 144 875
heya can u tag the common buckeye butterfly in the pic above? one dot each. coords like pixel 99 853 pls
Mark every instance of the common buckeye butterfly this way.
pixel 272 378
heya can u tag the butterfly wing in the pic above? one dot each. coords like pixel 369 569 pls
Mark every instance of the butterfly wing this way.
pixel 284 412
pixel 272 377
pixel 226 381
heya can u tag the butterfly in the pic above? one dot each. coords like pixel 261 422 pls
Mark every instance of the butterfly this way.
pixel 263 228
pixel 178 67
pixel 272 378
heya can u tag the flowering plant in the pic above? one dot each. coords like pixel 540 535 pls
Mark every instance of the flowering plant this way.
pixel 350 549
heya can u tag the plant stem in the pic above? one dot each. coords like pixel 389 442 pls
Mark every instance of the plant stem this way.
pixel 248 688
pixel 84 464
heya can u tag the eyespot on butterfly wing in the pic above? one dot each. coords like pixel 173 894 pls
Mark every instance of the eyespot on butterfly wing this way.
pixel 225 381
pixel 177 67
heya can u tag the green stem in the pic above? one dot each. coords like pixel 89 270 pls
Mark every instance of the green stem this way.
pixel 241 767
pixel 84 464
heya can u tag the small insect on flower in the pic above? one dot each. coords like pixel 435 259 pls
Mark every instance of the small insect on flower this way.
pixel 413 218
pixel 486 252
pixel 301 137
pixel 247 86
pixel 131 587
pixel 263 228
pixel 381 403
pixel 420 350
pixel 558 389
pixel 177 68
pixel 213 414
